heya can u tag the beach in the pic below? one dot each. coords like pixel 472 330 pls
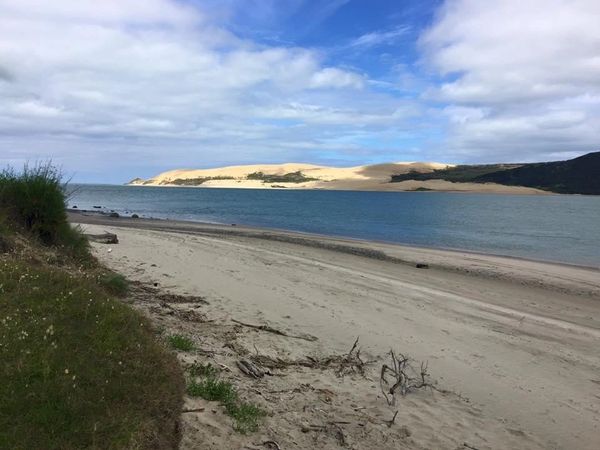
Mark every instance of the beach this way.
pixel 511 344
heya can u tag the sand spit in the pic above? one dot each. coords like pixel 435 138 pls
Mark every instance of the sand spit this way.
pixel 512 345
pixel 374 177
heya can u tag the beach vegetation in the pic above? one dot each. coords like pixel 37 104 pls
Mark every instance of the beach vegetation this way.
pixel 202 370
pixel 33 202
pixel 115 283
pixel 246 416
pixel 196 181
pixel 79 368
pixel 291 177
pixel 180 342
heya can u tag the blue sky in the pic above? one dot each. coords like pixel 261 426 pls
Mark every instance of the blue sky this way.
pixel 126 88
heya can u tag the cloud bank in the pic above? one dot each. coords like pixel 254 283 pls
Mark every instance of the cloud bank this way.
pixel 114 89
pixel 524 77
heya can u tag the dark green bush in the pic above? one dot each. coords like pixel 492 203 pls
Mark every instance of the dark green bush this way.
pixel 34 201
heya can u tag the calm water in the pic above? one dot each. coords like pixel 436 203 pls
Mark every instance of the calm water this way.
pixel 558 228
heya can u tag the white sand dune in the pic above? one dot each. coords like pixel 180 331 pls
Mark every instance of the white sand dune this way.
pixel 374 177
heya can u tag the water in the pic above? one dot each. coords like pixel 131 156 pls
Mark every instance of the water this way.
pixel 553 227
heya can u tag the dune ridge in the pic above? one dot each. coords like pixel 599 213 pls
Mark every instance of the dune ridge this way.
pixel 375 177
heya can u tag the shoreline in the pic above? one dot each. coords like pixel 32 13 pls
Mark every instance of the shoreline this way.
pixel 517 338
pixel 102 217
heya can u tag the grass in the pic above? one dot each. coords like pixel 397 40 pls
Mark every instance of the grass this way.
pixel 180 342
pixel 246 416
pixel 203 370
pixel 115 283
pixel 33 201
pixel 79 369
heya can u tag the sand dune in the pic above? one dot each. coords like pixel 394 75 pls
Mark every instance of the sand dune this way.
pixel 374 177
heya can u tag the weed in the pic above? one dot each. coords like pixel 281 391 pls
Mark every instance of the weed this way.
pixel 213 390
pixel 246 416
pixel 203 370
pixel 180 342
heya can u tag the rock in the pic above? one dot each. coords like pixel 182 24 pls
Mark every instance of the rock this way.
pixel 97 207
pixel 74 207
pixel 114 214
pixel 135 216
pixel 422 266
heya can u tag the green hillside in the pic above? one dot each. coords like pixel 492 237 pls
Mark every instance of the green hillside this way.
pixel 575 176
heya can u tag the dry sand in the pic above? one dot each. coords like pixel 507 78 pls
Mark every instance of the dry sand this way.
pixel 517 343
pixel 374 177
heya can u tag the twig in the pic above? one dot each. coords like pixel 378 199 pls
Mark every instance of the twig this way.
pixel 403 382
pixel 389 423
pixel 272 444
pixel 270 329
pixel 192 410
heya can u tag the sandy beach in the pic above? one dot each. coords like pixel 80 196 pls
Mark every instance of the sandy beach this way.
pixel 511 345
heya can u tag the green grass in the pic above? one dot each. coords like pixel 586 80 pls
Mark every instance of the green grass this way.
pixel 246 416
pixel 202 370
pixel 79 369
pixel 115 283
pixel 180 342
pixel 33 201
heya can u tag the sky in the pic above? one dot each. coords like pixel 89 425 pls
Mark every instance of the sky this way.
pixel 115 89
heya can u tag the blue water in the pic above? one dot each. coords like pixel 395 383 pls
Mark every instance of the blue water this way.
pixel 556 228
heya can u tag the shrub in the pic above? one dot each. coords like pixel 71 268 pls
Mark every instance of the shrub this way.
pixel 34 201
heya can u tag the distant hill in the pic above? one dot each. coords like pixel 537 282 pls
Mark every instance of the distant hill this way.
pixel 575 176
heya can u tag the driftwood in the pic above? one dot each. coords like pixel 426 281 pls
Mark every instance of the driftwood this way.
pixel 106 238
pixel 269 329
pixel 343 364
pixel 405 377
pixel 251 369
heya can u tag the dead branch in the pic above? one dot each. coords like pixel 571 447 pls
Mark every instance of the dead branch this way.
pixel 192 410
pixel 404 377
pixel 106 238
pixel 352 362
pixel 269 329
pixel 389 423
pixel 469 446
pixel 251 369
pixel 344 365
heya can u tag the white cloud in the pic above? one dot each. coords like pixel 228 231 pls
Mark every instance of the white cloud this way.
pixel 82 76
pixel 336 78
pixel 379 37
pixel 523 68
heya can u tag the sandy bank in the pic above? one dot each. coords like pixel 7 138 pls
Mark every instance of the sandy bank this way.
pixel 518 339
pixel 374 177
